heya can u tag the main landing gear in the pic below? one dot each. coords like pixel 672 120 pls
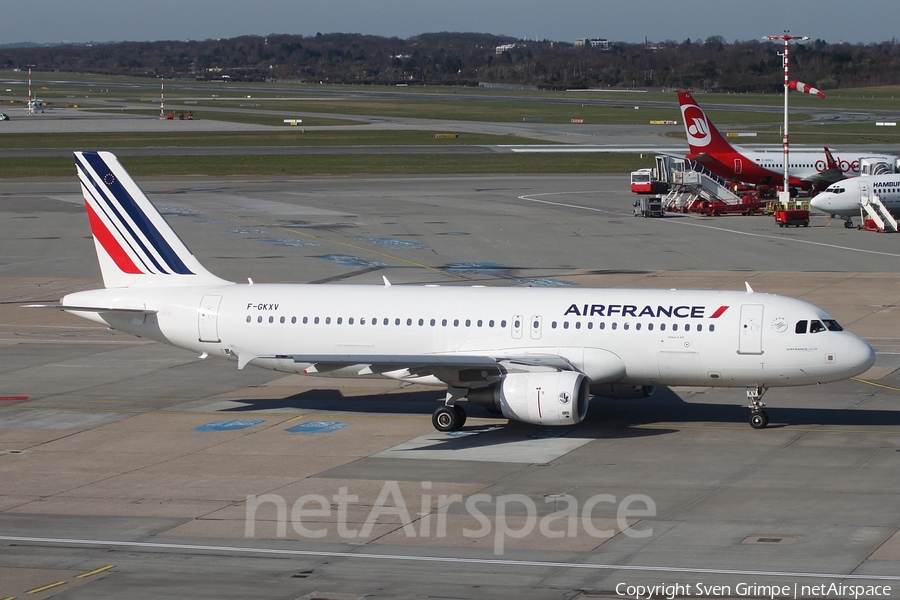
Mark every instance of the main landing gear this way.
pixel 450 416
pixel 758 417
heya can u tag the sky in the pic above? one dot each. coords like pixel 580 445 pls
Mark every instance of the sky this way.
pixel 49 21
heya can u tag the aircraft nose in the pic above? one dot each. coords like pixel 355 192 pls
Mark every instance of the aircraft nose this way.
pixel 857 354
pixel 821 201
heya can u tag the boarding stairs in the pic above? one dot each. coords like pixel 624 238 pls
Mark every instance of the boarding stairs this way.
pixel 872 205
pixel 691 181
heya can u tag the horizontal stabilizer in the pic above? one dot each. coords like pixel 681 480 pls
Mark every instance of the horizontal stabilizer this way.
pixel 95 309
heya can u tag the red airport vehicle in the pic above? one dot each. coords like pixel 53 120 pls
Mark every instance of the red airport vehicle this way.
pixel 795 217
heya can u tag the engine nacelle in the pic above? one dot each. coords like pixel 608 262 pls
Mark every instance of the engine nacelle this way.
pixel 623 392
pixel 554 398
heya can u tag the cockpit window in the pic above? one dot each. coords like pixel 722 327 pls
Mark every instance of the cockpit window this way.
pixel 836 190
pixel 816 326
pixel 800 327
pixel 832 325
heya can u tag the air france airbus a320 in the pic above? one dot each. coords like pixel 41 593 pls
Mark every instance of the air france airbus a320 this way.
pixel 532 354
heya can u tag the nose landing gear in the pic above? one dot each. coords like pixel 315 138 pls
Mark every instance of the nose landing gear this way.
pixel 758 417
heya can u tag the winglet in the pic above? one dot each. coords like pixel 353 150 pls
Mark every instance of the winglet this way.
pixel 387 283
pixel 749 289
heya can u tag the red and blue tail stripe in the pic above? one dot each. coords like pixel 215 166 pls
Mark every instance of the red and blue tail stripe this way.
pixel 135 244
pixel 129 222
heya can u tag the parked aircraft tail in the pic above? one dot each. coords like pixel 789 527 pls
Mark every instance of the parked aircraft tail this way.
pixel 702 135
pixel 135 245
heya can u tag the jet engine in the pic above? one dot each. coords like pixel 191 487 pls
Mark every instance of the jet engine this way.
pixel 548 398
pixel 623 392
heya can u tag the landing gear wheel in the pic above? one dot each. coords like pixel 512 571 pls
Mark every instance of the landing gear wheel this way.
pixel 460 415
pixel 448 418
pixel 848 224
pixel 759 420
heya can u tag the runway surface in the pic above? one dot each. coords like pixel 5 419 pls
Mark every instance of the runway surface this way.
pixel 127 465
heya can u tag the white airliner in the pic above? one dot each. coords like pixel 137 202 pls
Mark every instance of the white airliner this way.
pixel 531 354
pixel 844 198
pixel 806 170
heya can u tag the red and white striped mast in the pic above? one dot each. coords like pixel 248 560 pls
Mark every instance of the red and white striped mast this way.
pixel 787 38
pixel 30 97
pixel 162 97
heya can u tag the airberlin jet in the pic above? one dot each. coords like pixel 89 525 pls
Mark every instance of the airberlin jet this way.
pixel 808 170
pixel 531 354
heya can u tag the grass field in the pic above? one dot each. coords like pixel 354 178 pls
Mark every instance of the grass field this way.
pixel 264 104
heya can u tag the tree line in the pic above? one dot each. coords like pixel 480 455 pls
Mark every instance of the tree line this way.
pixel 469 58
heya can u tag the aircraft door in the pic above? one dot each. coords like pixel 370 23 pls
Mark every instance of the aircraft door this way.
pixel 517 327
pixel 536 327
pixel 208 316
pixel 750 340
pixel 738 166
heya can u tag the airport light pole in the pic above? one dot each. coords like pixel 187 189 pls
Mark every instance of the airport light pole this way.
pixel 785 195
pixel 162 97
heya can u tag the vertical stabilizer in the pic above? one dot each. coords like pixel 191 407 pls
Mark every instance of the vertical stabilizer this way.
pixel 702 135
pixel 135 245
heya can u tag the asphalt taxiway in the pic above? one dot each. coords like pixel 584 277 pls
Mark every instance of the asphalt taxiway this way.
pixel 127 466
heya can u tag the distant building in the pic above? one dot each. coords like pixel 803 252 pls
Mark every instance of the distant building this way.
pixel 601 43
pixel 507 48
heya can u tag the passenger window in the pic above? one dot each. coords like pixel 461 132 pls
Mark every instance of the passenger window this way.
pixel 613 325
pixel 421 322
pixel 293 320
pixel 305 320
pixel 699 327
pixel 687 326
pixel 248 318
pixel 350 321
pixel 468 322
pixel 443 322
pixel 491 323
pixel 577 324
pixel 590 324
pixel 433 322
pixel 662 326
pixel 602 324
pixel 328 320
pixel 259 319
pixel 340 320
pixel 649 326
pixel 456 322
pixel 625 326
pixel 712 327
pixel 503 323
pixel 281 320
pixel 397 321
pixel 479 323
pixel 800 327
pixel 386 321
pixel 271 319
pixel 565 324
pixel 638 326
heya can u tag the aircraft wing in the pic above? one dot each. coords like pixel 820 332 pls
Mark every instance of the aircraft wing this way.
pixel 826 178
pixel 452 369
